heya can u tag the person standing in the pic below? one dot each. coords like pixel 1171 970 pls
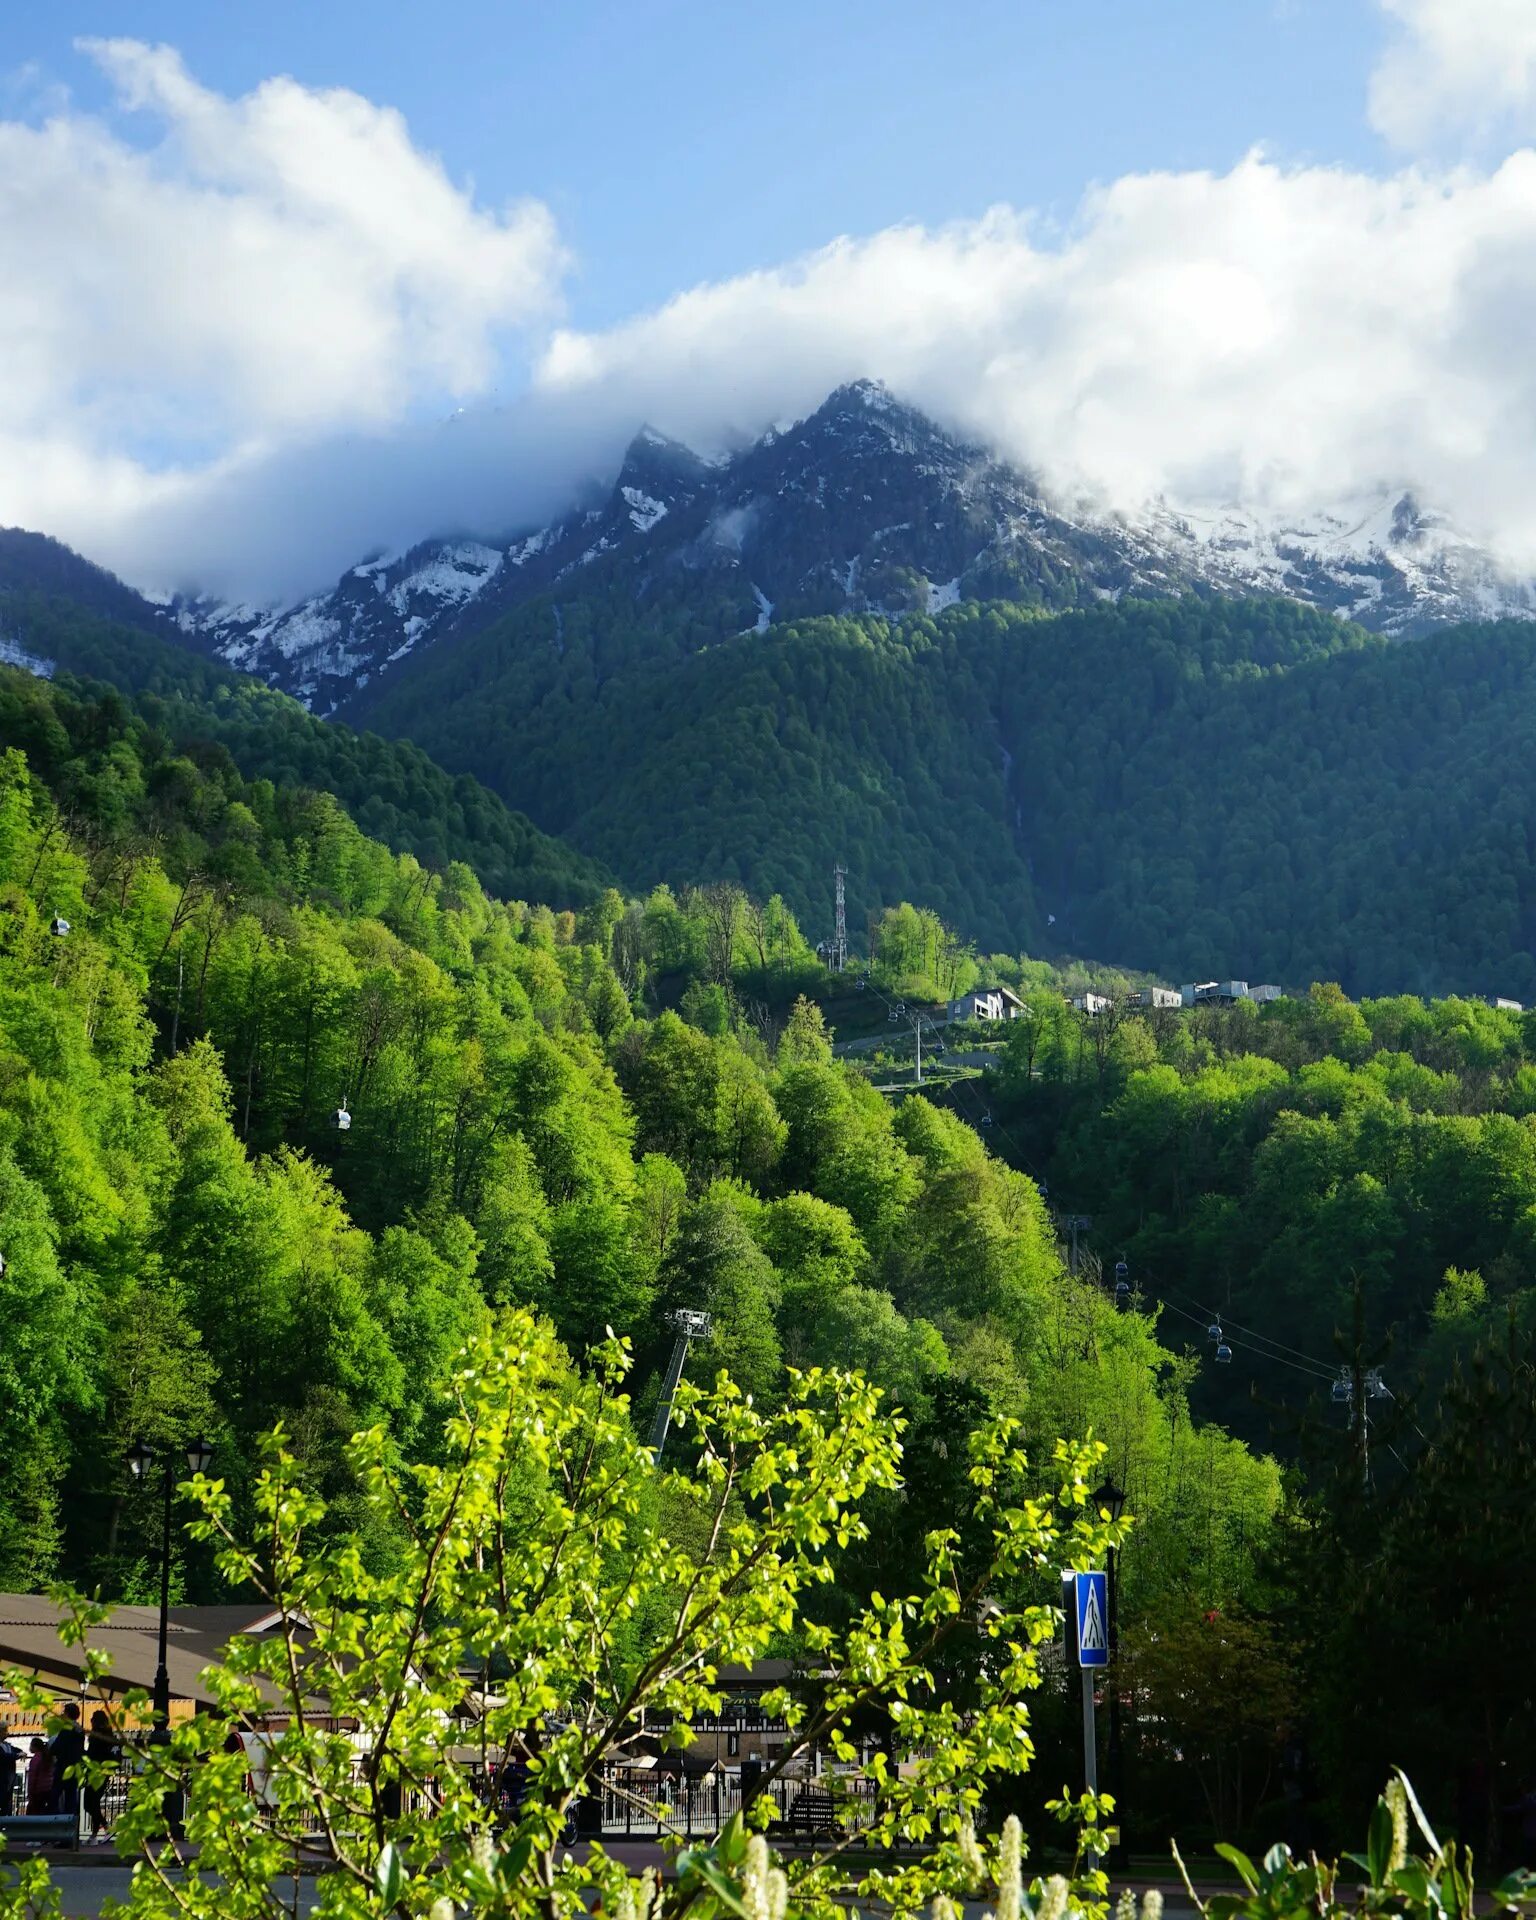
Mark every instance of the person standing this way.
pixel 10 1768
pixel 39 1777
pixel 101 1749
pixel 66 1750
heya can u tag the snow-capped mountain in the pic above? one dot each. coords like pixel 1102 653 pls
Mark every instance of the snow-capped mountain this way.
pixel 1384 562
pixel 338 641
pixel 328 649
pixel 866 505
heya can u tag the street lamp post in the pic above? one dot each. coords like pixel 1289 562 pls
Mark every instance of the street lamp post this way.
pixel 141 1458
pixel 1111 1499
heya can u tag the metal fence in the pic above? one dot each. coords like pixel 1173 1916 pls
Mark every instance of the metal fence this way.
pixel 73 1795
pixel 626 1801
pixel 645 1804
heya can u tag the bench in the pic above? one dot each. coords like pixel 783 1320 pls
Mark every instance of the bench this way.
pixel 62 1829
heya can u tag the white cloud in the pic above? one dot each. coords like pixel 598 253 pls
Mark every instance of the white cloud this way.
pixel 1291 336
pixel 1455 66
pixel 1280 336
pixel 280 265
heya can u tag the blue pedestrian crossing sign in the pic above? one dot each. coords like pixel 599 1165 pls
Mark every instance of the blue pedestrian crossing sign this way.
pixel 1092 1620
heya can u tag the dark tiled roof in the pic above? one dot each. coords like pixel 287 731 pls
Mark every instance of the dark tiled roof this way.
pixel 196 1636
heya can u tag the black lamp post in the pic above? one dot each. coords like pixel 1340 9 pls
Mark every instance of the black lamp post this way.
pixel 1111 1499
pixel 141 1458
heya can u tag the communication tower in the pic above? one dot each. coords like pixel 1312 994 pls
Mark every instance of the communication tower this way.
pixel 839 958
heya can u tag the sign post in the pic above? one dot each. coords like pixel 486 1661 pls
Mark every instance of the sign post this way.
pixel 1091 1596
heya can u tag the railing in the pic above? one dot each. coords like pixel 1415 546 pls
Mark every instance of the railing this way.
pixel 640 1803
pixel 114 1793
pixel 627 1802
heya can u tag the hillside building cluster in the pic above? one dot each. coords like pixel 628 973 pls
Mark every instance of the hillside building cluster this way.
pixel 1197 993
pixel 1002 1003
pixel 987 1003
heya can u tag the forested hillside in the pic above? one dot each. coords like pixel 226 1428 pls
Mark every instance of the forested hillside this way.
pixel 394 790
pixel 1195 787
pixel 1328 1177
pixel 192 1242
pixel 1191 787
pixel 1347 1191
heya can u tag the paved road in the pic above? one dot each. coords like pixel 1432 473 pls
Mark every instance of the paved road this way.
pixel 84 1889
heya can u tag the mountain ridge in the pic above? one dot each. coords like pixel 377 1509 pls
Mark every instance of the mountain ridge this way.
pixel 864 506
pixel 393 788
pixel 1200 786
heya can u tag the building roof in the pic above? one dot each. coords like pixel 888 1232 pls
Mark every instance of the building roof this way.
pixel 197 1638
pixel 130 1636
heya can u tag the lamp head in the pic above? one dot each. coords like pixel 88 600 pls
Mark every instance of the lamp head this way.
pixel 1110 1498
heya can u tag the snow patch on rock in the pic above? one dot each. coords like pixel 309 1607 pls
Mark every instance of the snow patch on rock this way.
pixel 764 612
pixel 643 510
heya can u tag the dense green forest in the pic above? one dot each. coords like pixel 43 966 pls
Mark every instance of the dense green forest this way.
pixel 1279 1165
pixel 190 1240
pixel 392 788
pixel 627 1104
pixel 1194 786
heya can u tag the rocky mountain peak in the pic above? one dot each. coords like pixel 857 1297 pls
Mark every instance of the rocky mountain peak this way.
pixel 653 459
pixel 865 505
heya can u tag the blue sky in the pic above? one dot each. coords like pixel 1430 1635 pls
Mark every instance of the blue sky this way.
pixel 291 283
pixel 679 141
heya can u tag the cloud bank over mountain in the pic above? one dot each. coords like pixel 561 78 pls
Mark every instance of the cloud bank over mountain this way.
pixel 233 356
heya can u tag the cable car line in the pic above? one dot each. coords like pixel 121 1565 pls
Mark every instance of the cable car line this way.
pixel 1262 1342
pixel 1216 1323
pixel 1215 1331
pixel 1310 1358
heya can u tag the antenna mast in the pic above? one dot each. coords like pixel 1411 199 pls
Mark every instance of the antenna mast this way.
pixel 840 932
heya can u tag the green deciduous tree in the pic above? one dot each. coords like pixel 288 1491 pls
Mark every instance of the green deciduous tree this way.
pixel 533 1547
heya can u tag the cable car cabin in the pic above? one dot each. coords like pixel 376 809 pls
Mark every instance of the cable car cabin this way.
pixel 1341 1395
pixel 1122 1294
pixel 341 1120
pixel 1224 1355
pixel 1213 1331
pixel 58 927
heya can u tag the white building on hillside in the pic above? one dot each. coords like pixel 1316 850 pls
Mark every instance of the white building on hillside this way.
pixel 987 1003
pixel 1149 999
